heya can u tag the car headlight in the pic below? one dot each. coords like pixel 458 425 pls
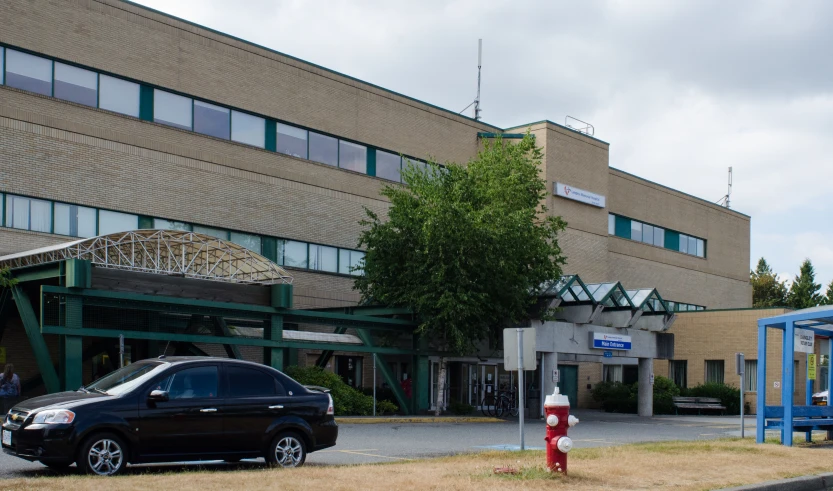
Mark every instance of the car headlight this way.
pixel 54 416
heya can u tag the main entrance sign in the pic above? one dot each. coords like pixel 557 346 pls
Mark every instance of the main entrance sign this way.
pixel 611 341
pixel 576 194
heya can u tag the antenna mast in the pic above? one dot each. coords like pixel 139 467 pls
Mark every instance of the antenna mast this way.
pixel 729 193
pixel 479 65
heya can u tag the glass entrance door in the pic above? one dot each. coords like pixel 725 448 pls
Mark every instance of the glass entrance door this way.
pixel 482 383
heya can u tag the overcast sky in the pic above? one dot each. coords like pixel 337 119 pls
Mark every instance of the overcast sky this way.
pixel 681 90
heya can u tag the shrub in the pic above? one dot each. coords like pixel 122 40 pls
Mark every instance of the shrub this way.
pixel 347 400
pixel 460 408
pixel 729 395
pixel 616 397
pixel 664 392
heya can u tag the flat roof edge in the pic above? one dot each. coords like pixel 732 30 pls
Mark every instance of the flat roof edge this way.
pixel 547 121
pixel 295 58
pixel 681 192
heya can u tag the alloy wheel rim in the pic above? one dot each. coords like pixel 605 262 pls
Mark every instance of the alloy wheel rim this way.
pixel 288 452
pixel 105 457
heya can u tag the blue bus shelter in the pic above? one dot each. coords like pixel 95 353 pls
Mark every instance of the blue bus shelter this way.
pixel 789 417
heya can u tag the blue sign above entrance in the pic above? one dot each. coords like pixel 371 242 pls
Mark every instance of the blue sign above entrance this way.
pixel 611 341
pixel 608 354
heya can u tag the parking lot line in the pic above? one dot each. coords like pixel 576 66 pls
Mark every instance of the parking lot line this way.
pixel 353 452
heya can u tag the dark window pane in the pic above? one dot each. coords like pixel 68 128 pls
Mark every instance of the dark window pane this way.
pixel 171 109
pixel 249 382
pixel 193 383
pixel 118 95
pixel 211 120
pixel 388 165
pixel 76 84
pixel 352 156
pixel 292 141
pixel 323 149
pixel 28 72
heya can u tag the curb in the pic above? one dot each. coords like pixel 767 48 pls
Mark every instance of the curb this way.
pixel 817 482
pixel 407 420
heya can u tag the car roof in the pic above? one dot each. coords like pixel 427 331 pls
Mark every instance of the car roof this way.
pixel 181 360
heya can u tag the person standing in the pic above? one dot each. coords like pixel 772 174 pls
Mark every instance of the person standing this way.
pixel 9 382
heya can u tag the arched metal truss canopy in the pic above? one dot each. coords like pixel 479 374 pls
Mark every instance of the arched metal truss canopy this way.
pixel 169 252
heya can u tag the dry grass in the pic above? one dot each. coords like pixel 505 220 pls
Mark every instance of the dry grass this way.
pixel 677 465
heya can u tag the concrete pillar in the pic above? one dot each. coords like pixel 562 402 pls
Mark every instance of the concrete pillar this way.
pixel 549 362
pixel 645 397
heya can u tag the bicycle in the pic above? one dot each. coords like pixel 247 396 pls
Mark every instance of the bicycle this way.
pixel 488 405
pixel 506 404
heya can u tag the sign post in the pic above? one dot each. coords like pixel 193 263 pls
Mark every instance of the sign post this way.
pixel 741 366
pixel 519 342
pixel 121 350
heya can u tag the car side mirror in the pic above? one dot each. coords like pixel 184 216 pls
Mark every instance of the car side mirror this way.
pixel 158 396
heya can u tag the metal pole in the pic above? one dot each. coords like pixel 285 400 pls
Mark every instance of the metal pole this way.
pixel 740 361
pixel 121 350
pixel 521 383
pixel 374 384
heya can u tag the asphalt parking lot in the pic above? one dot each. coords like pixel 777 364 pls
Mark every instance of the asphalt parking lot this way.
pixel 389 442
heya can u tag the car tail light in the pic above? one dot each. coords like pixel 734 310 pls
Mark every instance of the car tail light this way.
pixel 331 410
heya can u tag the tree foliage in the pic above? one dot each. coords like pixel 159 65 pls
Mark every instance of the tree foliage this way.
pixel 828 295
pixel 465 247
pixel 767 291
pixel 804 291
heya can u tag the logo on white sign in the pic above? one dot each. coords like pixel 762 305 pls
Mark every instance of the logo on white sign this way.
pixel 573 193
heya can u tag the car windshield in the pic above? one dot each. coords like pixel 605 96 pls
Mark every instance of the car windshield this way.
pixel 126 378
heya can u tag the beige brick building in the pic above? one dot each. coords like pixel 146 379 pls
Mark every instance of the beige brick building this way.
pixel 117 117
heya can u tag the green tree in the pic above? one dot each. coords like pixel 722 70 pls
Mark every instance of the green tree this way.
pixel 828 295
pixel 767 291
pixel 465 247
pixel 804 291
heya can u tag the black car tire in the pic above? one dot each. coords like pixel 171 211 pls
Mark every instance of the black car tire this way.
pixel 287 450
pixel 103 454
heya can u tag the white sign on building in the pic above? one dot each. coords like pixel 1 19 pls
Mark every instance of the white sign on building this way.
pixel 804 341
pixel 576 194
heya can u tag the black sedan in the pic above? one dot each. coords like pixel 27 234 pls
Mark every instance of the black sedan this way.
pixel 171 410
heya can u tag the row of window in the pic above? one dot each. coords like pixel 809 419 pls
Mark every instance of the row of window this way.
pixel 683 307
pixel 41 215
pixel 68 82
pixel 714 372
pixel 651 234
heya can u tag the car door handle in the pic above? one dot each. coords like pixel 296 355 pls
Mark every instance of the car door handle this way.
pixel 209 410
pixel 276 407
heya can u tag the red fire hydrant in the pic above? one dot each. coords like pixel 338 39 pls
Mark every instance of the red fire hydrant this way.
pixel 557 411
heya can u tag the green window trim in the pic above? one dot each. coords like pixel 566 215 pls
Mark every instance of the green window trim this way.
pixel 672 240
pixel 145 103
pixel 271 135
pixel 371 161
pixel 623 227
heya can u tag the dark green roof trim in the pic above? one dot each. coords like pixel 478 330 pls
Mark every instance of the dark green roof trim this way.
pixel 678 191
pixel 144 7
pixel 733 310
pixel 560 126
pixel 505 136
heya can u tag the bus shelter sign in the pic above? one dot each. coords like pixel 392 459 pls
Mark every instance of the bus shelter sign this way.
pixel 611 341
pixel 804 341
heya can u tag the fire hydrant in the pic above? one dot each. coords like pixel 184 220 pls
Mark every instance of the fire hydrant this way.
pixel 557 411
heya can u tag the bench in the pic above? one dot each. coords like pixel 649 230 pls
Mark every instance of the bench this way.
pixel 698 403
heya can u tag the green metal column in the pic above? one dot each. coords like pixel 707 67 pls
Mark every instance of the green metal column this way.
pixel 36 341
pixel 405 404
pixel 220 326
pixel 273 331
pixel 420 376
pixel 325 355
pixel 71 353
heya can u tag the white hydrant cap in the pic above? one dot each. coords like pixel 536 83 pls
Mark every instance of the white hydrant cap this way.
pixel 552 420
pixel 572 421
pixel 556 399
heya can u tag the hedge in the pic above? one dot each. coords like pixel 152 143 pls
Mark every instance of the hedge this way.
pixel 347 400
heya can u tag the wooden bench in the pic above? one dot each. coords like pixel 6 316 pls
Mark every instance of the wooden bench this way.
pixel 698 403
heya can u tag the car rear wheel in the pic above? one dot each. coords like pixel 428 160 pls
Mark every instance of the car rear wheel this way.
pixel 287 450
pixel 104 454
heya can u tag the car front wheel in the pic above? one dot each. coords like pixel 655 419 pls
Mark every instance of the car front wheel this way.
pixel 287 450
pixel 104 454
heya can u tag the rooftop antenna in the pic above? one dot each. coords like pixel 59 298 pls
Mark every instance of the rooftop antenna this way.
pixel 726 200
pixel 476 102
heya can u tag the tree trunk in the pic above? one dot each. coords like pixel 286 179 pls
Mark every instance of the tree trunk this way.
pixel 441 387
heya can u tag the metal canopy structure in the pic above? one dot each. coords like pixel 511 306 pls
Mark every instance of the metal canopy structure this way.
pixel 789 417
pixel 169 252
pixel 586 303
